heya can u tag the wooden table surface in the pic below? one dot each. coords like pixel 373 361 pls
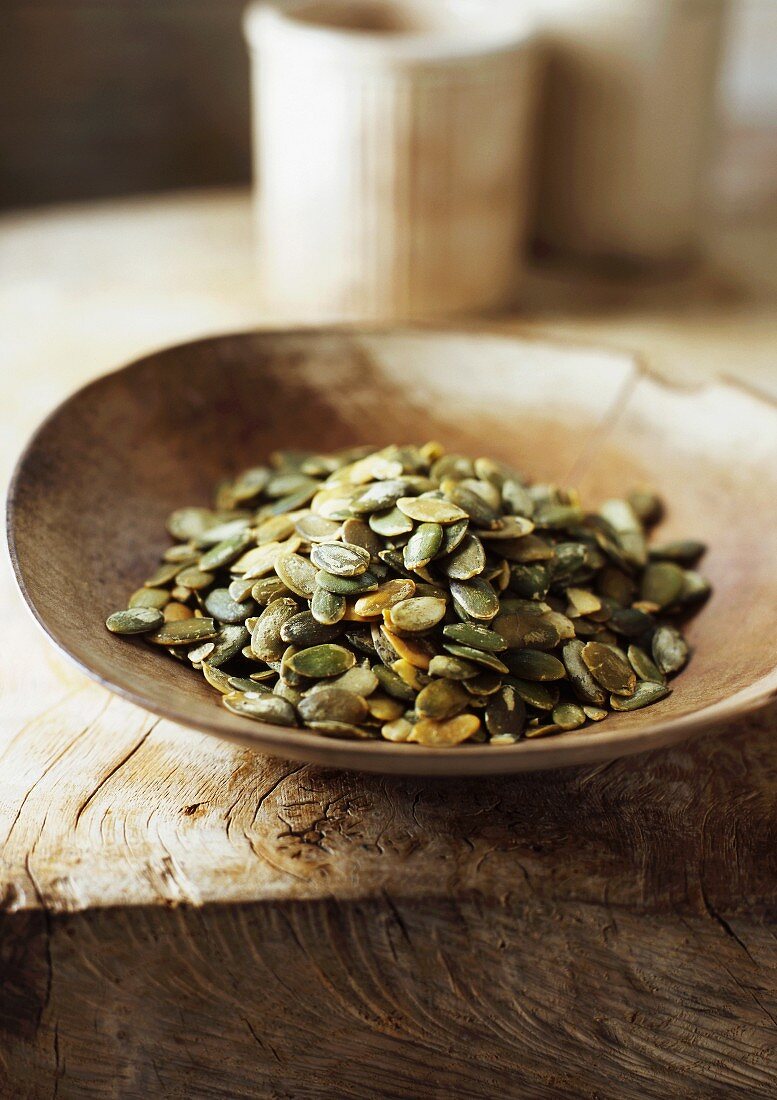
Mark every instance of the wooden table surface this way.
pixel 181 917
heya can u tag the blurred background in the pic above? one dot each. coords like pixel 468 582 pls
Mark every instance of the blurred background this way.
pixel 114 97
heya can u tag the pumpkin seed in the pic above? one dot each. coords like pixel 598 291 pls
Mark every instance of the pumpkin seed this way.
pixel 135 620
pixel 417 613
pixel 346 586
pixel 670 650
pixel 596 714
pixel 264 708
pixel 505 714
pixel 297 573
pixel 521 630
pixel 174 612
pixel 305 630
pixel 430 510
pixel 684 551
pixel 512 527
pixel 533 664
pixel 436 733
pixel 327 607
pixel 266 641
pixel 662 583
pixel 189 523
pixel 225 552
pixel 267 589
pixel 535 694
pixel 452 536
pixel 385 596
pixel 480 512
pixel 333 704
pixel 394 685
pixel 184 632
pixel 452 668
pixel 149 597
pixel 216 678
pixel 476 636
pixel 220 605
pixel 476 656
pixel 568 716
pixel 644 667
pixel 583 683
pixel 477 598
pixel 322 661
pixel 466 561
pixel 609 668
pixel 340 559
pixel 441 699
pixel 385 709
pixel 645 693
pixel 398 730
pixel 313 528
pixel 391 523
pixel 230 641
pixel 422 545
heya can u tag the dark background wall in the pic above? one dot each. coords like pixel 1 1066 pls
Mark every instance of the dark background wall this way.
pixel 109 97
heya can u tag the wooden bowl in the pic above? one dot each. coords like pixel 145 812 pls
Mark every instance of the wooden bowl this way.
pixel 91 494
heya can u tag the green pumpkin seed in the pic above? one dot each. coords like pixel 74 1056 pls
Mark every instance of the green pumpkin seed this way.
pixel 230 641
pixel 585 686
pixel 313 528
pixel 478 637
pixel 670 649
pixel 263 708
pixel 610 669
pixel 184 632
pixel 162 575
pixel 333 704
pixel 240 589
pixel 267 589
pixel 346 586
pixel 297 573
pixel 644 667
pixel 220 605
pixel 531 582
pixel 430 510
pixel 340 559
pixel 379 497
pixel 477 598
pixel 266 641
pixel 452 536
pixel 327 607
pixel 305 630
pixel 512 527
pixel 157 598
pixel 505 715
pixel 526 631
pixel 391 523
pixel 225 552
pixel 596 714
pixel 683 551
pixel 422 545
pixel 441 699
pixel 360 680
pixel 533 664
pixel 476 656
pixel 468 560
pixel 322 661
pixel 535 694
pixel 417 613
pixel 662 583
pixel 394 685
pixel 480 512
pixel 135 620
pixel 568 716
pixel 645 693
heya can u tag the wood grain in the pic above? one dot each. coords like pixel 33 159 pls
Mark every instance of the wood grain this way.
pixel 183 918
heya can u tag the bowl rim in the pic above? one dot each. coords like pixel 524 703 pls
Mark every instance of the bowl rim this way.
pixel 378 755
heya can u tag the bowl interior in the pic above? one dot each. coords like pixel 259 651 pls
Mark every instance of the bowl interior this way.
pixel 92 492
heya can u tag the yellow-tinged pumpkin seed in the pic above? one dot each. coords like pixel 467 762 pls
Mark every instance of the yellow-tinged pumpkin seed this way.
pixel 609 668
pixel 430 510
pixel 184 632
pixel 450 731
pixel 418 613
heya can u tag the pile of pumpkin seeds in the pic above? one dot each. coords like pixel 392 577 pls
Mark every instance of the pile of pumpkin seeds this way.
pixel 418 596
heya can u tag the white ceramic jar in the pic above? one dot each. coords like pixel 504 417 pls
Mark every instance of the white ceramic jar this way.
pixel 392 146
pixel 626 121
